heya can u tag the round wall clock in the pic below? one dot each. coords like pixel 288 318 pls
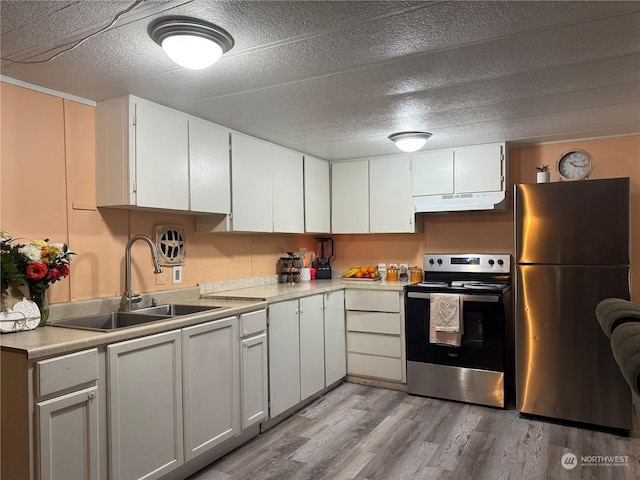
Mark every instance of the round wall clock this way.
pixel 575 164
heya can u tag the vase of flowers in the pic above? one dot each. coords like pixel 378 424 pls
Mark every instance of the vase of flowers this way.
pixel 35 265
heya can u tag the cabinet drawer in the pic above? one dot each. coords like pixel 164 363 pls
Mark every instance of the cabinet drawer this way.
pixel 374 322
pixel 373 344
pixel 253 322
pixel 373 366
pixel 68 371
pixel 370 301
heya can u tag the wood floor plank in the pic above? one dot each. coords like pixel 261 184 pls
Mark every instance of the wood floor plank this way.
pixel 357 432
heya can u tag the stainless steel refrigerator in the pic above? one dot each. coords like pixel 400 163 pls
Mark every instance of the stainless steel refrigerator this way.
pixel 572 251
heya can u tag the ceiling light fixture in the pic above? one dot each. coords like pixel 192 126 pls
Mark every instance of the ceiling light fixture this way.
pixel 190 42
pixel 409 141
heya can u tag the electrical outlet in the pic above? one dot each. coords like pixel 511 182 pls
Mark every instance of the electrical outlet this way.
pixel 177 274
pixel 160 279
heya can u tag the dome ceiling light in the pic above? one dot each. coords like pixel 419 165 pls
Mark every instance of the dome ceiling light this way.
pixel 409 141
pixel 190 42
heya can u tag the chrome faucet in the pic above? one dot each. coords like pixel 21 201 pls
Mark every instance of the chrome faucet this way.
pixel 129 298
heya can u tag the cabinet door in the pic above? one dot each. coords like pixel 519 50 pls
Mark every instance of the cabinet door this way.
pixel 317 195
pixel 390 200
pixel 162 168
pixel 255 395
pixel 210 385
pixel 479 169
pixel 311 345
pixel 335 359
pixel 68 436
pixel 284 357
pixel 251 184
pixel 145 405
pixel 350 197
pixel 288 190
pixel 433 173
pixel 209 176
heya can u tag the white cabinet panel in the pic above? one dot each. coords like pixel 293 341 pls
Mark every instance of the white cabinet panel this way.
pixel 335 360
pixel 317 195
pixel 145 402
pixel 288 190
pixel 377 322
pixel 251 168
pixel 255 394
pixel 162 168
pixel 350 197
pixel 478 169
pixel 311 345
pixel 209 176
pixel 68 436
pixel 370 343
pixel 390 199
pixel 433 172
pixel 373 301
pixel 284 355
pixel 373 366
pixel 210 385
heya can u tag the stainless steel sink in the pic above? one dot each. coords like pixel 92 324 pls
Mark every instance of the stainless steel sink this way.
pixel 174 309
pixel 106 322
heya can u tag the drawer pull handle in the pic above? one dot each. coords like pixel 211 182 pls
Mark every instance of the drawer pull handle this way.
pixel 91 395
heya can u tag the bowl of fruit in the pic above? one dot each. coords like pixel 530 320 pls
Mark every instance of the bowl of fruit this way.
pixel 358 272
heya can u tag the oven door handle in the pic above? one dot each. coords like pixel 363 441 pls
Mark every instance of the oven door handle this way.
pixel 465 298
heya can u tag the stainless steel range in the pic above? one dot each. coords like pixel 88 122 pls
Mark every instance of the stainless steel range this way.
pixel 459 329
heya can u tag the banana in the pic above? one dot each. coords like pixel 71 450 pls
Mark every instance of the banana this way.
pixel 352 271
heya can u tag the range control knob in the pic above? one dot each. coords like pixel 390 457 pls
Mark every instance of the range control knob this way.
pixel 439 261
pixel 431 262
pixel 500 261
pixel 491 262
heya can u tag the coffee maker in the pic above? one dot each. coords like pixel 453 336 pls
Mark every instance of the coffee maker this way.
pixel 322 266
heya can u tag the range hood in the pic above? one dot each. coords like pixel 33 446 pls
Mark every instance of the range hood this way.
pixel 458 202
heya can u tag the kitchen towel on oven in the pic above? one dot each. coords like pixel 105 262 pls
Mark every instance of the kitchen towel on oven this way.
pixel 446 322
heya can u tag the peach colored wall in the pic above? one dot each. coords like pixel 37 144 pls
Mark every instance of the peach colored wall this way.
pixel 47 190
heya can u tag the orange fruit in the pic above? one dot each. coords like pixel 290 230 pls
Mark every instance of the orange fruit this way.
pixel 358 275
pixel 363 270
pixel 371 269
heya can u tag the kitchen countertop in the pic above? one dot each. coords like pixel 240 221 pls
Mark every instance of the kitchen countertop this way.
pixel 278 292
pixel 49 341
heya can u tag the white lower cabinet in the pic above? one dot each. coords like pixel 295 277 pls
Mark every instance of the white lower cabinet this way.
pixel 211 390
pixel 306 348
pixel 67 424
pixel 284 357
pixel 253 365
pixel 335 360
pixel 375 334
pixel 145 406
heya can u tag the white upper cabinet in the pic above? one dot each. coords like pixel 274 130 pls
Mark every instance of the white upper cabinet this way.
pixel 209 175
pixel 142 157
pixel 479 169
pixel 151 156
pixel 288 190
pixel 390 199
pixel 350 197
pixel 433 172
pixel 460 179
pixel 251 168
pixel 317 195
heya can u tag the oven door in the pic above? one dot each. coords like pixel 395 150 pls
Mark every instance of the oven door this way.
pixel 483 342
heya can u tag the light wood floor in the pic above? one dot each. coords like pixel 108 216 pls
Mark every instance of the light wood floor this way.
pixel 361 432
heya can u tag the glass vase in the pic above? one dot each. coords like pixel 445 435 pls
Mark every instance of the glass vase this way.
pixel 40 299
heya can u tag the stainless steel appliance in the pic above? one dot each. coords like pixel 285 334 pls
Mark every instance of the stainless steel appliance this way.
pixel 323 266
pixel 481 368
pixel 572 251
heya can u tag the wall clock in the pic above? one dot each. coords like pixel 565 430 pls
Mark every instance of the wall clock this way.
pixel 575 164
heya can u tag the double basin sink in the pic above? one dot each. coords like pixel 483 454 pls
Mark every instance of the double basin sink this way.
pixel 108 322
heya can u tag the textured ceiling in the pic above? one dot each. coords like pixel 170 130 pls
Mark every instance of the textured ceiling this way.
pixel 335 78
